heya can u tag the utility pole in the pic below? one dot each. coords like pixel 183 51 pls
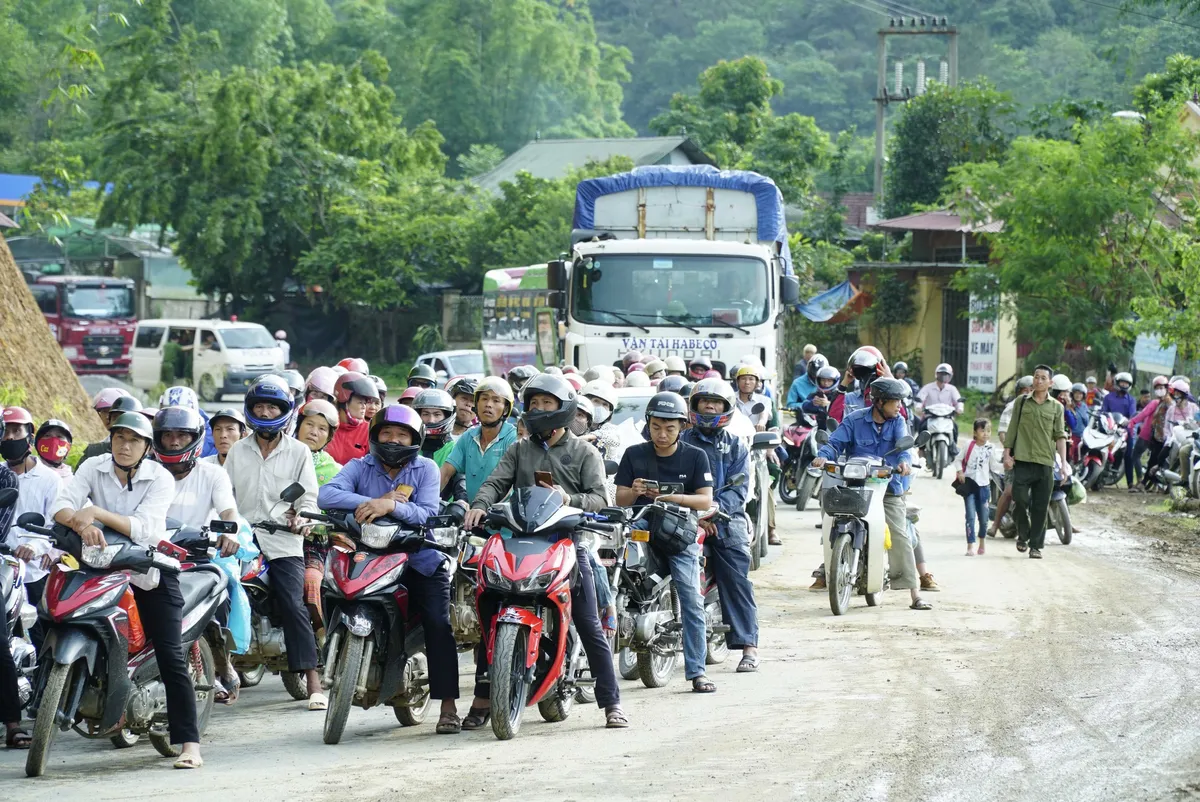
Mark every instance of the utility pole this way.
pixel 902 26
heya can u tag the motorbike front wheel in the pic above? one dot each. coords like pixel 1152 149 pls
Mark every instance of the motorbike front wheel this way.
pixel 789 479
pixel 716 649
pixel 841 565
pixel 939 459
pixel 252 676
pixel 1095 471
pixel 45 727
pixel 1061 516
pixel 805 494
pixel 510 689
pixel 345 678
pixel 413 713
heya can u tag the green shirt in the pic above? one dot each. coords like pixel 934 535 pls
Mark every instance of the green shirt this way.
pixel 440 455
pixel 1036 429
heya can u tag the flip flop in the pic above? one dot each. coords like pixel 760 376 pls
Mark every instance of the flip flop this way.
pixel 318 701
pixel 189 762
pixel 703 685
pixel 747 665
pixel 17 739
pixel 920 604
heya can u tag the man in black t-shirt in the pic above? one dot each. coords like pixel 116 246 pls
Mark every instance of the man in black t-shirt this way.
pixel 666 460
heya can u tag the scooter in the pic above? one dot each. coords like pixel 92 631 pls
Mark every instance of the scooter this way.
pixel 1103 445
pixel 939 422
pixel 98 672
pixel 1059 514
pixel 855 526
pixel 19 617
pixel 795 486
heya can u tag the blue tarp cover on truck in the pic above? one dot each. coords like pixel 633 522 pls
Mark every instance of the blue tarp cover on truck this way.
pixel 771 225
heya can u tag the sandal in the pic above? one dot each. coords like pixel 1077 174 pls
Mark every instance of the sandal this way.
pixel 920 604
pixel 189 762
pixel 318 701
pixel 703 684
pixel 748 664
pixel 449 724
pixel 17 739
pixel 477 717
pixel 614 718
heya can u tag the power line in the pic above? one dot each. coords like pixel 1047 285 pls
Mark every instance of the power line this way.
pixel 1142 14
pixel 906 9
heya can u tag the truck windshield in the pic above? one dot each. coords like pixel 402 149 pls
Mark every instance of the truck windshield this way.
pixel 248 337
pixel 670 290
pixel 99 302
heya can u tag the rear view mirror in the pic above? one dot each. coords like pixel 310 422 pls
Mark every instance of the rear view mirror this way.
pixel 921 441
pixel 822 436
pixel 904 443
pixel 830 424
pixel 8 496
pixel 556 275
pixel 765 441
pixel 737 480
pixel 31 519
pixel 610 467
pixel 292 493
pixel 789 290
pixel 759 408
pixel 223 527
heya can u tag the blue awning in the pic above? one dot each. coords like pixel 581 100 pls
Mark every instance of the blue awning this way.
pixel 841 301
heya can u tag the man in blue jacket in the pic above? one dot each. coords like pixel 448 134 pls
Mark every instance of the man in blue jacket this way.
pixel 711 407
pixel 805 383
pixel 377 486
pixel 1122 401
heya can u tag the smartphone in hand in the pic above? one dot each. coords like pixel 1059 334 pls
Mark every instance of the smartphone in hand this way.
pixel 543 478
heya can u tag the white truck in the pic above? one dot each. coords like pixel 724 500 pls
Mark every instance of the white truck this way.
pixel 688 261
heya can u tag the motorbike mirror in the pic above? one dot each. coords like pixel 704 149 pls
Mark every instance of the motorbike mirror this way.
pixel 31 519
pixel 292 492
pixel 922 440
pixel 759 408
pixel 8 496
pixel 764 441
pixel 610 467
pixel 822 437
pixel 737 480
pixel 223 527
pixel 830 424
pixel 904 444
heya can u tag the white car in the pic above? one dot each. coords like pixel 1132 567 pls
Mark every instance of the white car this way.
pixel 448 364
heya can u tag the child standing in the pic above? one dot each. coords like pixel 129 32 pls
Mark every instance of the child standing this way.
pixel 976 471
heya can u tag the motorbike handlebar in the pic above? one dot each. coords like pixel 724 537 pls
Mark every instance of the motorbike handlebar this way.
pixel 270 526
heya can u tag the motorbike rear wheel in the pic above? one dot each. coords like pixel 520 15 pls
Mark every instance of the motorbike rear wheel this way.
pixel 789 481
pixel 203 672
pixel 838 577
pixel 1194 483
pixel 1061 516
pixel 808 486
pixel 413 713
pixel 510 690
pixel 1095 471
pixel 252 676
pixel 627 665
pixel 939 459
pixel 345 679
pixel 556 706
pixel 716 650
pixel 45 727
pixel 296 684
pixel 125 739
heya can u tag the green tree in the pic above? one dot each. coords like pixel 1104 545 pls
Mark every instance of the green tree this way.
pixel 1177 82
pixel 937 131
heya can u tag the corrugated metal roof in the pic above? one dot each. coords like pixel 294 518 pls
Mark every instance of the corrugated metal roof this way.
pixel 554 158
pixel 938 221
pixel 15 188
pixel 6 221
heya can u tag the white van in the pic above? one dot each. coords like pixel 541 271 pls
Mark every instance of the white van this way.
pixel 225 356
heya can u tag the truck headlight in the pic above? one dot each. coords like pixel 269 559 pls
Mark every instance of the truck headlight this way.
pixel 70 352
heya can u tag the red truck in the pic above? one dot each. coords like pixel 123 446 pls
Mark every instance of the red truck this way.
pixel 92 318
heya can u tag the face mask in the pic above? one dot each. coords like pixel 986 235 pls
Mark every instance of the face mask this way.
pixel 53 449
pixel 1159 392
pixel 14 450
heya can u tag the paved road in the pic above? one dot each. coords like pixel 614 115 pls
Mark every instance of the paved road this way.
pixel 1073 679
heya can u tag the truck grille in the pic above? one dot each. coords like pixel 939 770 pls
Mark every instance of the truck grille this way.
pixel 103 346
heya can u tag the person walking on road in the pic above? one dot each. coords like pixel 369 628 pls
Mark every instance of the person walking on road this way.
pixel 976 471
pixel 1037 432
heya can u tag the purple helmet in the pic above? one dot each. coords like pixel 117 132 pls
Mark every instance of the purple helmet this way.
pixel 394 455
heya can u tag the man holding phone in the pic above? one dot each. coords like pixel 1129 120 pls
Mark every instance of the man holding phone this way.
pixel 555 459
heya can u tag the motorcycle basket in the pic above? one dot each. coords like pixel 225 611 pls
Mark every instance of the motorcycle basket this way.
pixel 841 500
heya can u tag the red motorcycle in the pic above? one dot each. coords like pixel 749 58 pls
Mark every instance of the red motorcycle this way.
pixel 796 486
pixel 98 672
pixel 524 594
pixel 374 645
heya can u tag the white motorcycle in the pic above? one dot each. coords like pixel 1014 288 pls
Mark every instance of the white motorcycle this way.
pixel 939 422
pixel 19 616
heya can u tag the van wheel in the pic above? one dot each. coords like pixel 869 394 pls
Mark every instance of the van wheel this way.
pixel 208 389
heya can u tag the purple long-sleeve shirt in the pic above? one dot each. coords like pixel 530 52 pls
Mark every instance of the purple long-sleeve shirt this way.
pixel 1124 404
pixel 364 479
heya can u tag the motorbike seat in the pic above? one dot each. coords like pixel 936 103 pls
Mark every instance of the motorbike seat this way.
pixel 199 583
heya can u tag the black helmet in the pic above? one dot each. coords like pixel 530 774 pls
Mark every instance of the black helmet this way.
pixel 885 389
pixel 436 399
pixel 899 366
pixel 672 384
pixel 666 405
pixel 125 403
pixel 541 423
pixel 178 419
pixel 421 373
pixel 817 362
pixel 686 390
pixel 518 376
pixel 462 386
pixel 394 455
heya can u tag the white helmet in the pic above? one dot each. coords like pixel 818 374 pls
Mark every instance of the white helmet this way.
pixel 1123 377
pixel 1060 383
pixel 179 396
pixel 605 392
pixel 675 364
pixel 637 378
pixel 944 368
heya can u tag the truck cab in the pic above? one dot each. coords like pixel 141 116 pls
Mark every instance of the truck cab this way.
pixel 92 318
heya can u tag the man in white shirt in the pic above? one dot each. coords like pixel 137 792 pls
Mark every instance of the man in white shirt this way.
pixel 941 391
pixel 202 490
pixel 228 426
pixel 130 495
pixel 261 467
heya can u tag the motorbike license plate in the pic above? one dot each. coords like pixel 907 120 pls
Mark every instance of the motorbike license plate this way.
pixel 640 535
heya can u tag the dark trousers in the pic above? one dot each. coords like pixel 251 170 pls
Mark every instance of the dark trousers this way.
pixel 431 596
pixel 287 587
pixel 729 560
pixel 161 611
pixel 34 591
pixel 1032 486
pixel 587 625
pixel 1130 448
pixel 10 698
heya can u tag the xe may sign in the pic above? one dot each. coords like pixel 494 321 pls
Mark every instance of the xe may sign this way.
pixel 982 341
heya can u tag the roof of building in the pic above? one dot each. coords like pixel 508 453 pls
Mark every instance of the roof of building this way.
pixel 860 208
pixel 939 220
pixel 7 222
pixel 553 158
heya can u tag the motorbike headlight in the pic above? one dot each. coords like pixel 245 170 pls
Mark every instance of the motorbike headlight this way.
pixel 493 579
pixel 535 584
pixel 854 471
pixel 375 536
pixel 100 557
pixel 107 599
pixel 445 536
pixel 384 581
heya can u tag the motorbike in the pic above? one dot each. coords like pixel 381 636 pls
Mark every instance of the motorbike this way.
pixel 795 484
pixel 98 673
pixel 1007 526
pixel 374 642
pixel 939 422
pixel 855 561
pixel 756 505
pixel 19 617
pixel 1103 445
pixel 528 566
pixel 1059 515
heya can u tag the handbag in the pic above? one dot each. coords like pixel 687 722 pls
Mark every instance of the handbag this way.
pixel 673 528
pixel 965 486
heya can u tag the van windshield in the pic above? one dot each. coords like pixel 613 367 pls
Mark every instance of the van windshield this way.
pixel 247 337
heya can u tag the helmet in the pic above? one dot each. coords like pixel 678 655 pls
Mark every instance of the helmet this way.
pixel 1092 380
pixel 828 372
pixel 179 396
pixel 150 412
pixel 1059 384
pixel 605 392
pixel 422 373
pixel 713 374
pixel 749 370
pixel 105 398
pixel 410 394
pixel 355 364
pixel 686 389
pixel 53 449
pixel 1024 382
pixel 494 384
pixel 380 385
pixel 553 370
pixel 629 358
pixel 1181 386
pixel 461 385
pixel 1078 387
pixel 712 389
pixel 338 370
pixel 1123 377
pixel 136 423
pixel 586 407
pixel 270 390
pixel 19 416
pixel 322 380
pixel 568 369
pixel 1160 381
pixel 281 335
pixel 637 379
pixel 865 363
pixel 699 366
pixel 541 423
pixel 675 364
pixel 885 389
pixel 666 405
pixel 350 384
pixel 598 372
pixel 814 366
pixel 899 366
pixel 1177 376
pixel 233 413
pixel 575 381
pixel 294 381
pixel 656 366
pixel 672 384
pixel 178 419
pixel 126 403
pixel 394 455
pixel 636 366
pixel 521 374
pixel 16 450
pixel 436 399
pixel 326 410
pixel 944 368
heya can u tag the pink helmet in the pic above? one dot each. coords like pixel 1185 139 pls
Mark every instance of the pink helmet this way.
pixel 1159 381
pixel 281 335
pixel 574 380
pixel 353 363
pixel 322 380
pixel 104 399
pixel 1181 386
pixel 635 366
pixel 713 374
pixel 568 369
pixel 409 396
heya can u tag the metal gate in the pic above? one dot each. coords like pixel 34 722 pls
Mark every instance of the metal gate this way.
pixel 955 334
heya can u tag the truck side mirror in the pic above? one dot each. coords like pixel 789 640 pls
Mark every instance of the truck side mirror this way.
pixel 556 275
pixel 789 290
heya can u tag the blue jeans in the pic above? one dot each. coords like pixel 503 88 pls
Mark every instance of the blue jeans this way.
pixel 730 564
pixel 685 574
pixel 604 594
pixel 977 509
